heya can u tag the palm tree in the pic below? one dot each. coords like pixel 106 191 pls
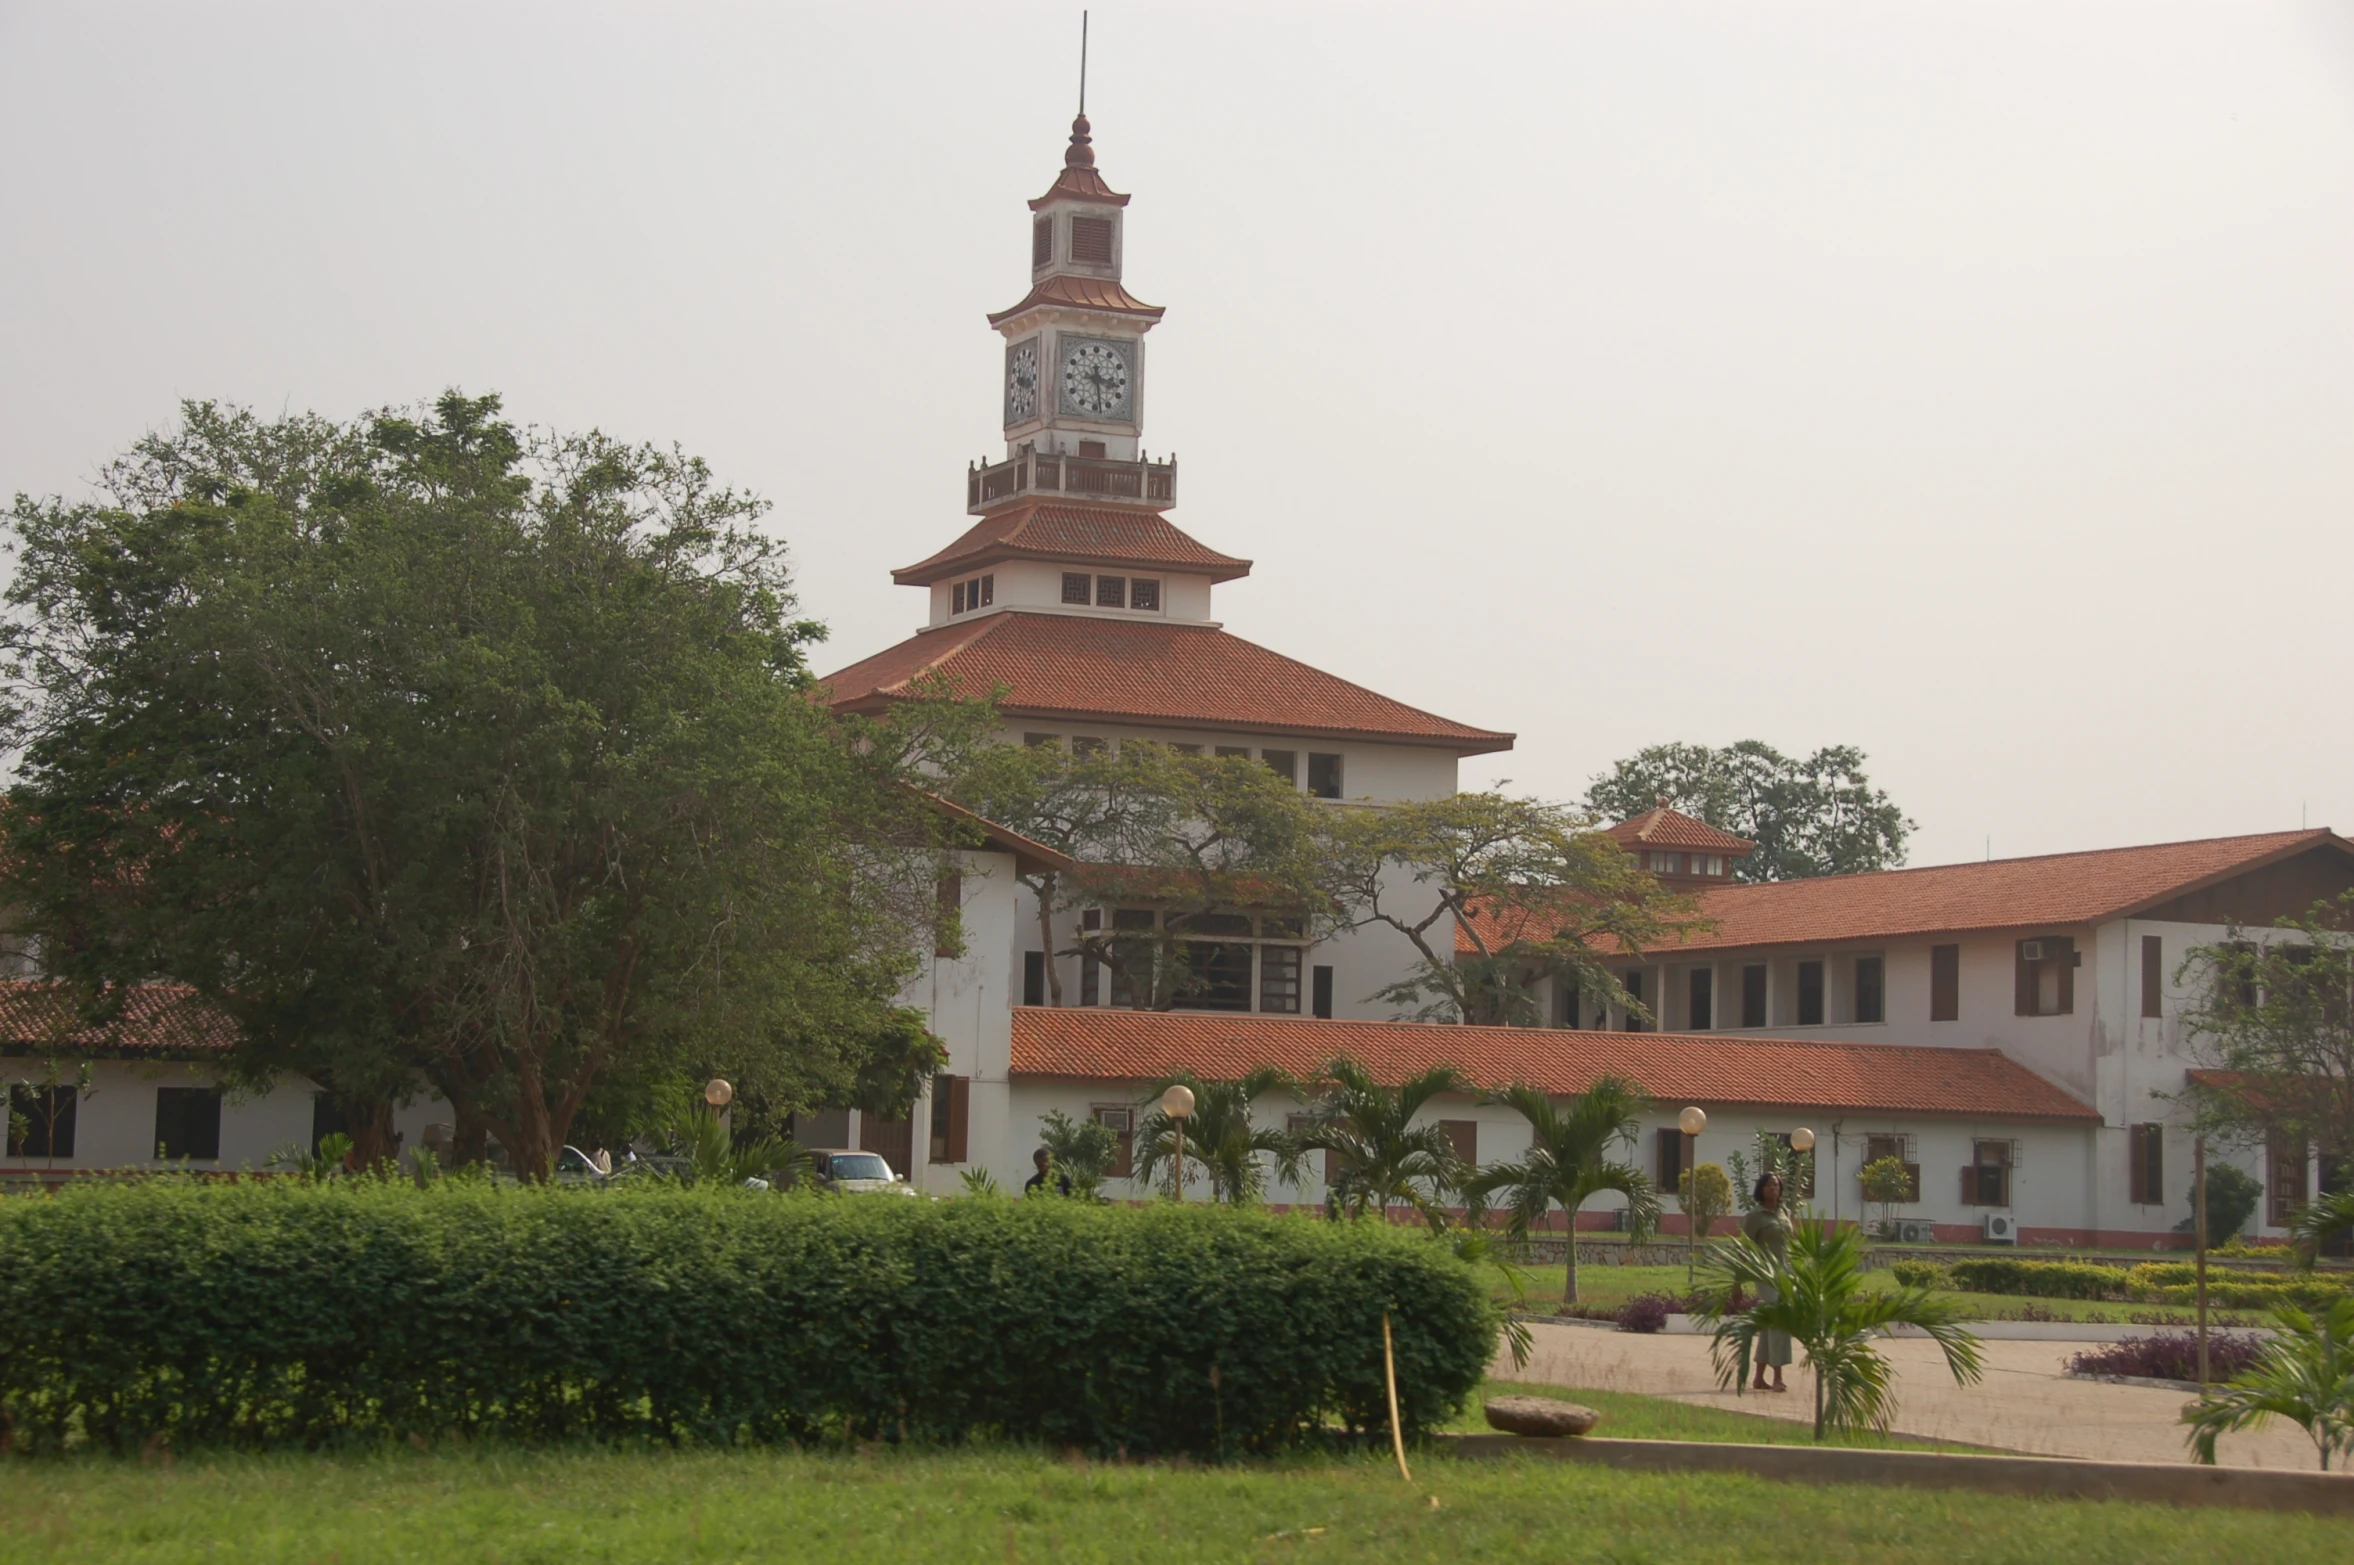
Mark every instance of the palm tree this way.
pixel 1822 1303
pixel 1569 1163
pixel 2305 1374
pixel 2322 1219
pixel 1384 1158
pixel 1219 1135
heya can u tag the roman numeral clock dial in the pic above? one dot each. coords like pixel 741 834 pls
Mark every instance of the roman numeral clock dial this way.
pixel 1096 379
pixel 1021 381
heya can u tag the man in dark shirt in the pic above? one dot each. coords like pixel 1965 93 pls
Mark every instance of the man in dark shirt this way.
pixel 1036 1183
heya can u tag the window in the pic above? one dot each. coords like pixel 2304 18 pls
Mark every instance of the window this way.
pixel 1111 592
pixel 1120 1119
pixel 1565 1003
pixel 1090 978
pixel 988 586
pixel 2153 975
pixel 1088 744
pixel 1320 992
pixel 1899 1148
pixel 1674 1157
pixel 1714 864
pixel 41 1121
pixel 1078 587
pixel 1702 986
pixel 1033 977
pixel 1145 593
pixel 1945 983
pixel 1632 982
pixel 956 599
pixel 2146 1146
pixel 1871 989
pixel 1283 763
pixel 1091 239
pixel 326 1120
pixel 1231 750
pixel 1323 775
pixel 1221 976
pixel 1279 979
pixel 187 1123
pixel 1463 1136
pixel 1664 863
pixel 1987 1179
pixel 1810 994
pixel 1034 740
pixel 952 1100
pixel 2284 1179
pixel 1187 749
pixel 967 596
pixel 2045 983
pixel 1198 924
pixel 1091 448
pixel 1753 996
pixel 1042 241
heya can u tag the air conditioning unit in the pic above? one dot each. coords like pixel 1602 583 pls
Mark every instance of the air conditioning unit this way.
pixel 2001 1228
pixel 2033 950
pixel 1913 1232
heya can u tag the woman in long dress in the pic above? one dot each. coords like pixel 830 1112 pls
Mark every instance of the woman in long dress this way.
pixel 1769 1226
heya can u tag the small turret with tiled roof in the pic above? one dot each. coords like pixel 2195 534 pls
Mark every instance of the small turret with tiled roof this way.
pixel 1683 853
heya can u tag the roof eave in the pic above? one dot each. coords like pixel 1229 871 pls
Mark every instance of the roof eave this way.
pixel 925 572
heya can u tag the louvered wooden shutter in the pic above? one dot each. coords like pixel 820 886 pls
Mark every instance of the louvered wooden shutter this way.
pixel 960 1114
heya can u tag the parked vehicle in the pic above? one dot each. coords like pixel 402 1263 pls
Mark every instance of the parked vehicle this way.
pixel 857 1173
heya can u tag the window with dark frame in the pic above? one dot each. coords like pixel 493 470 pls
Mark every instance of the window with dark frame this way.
pixel 988 590
pixel 1279 979
pixel 41 1120
pixel 1221 976
pixel 1090 979
pixel 1463 1136
pixel 1144 593
pixel 1042 241
pixel 1234 750
pixel 1945 983
pixel 1565 1003
pixel 1283 763
pixel 952 1098
pixel 1111 592
pixel 1078 587
pixel 1091 239
pixel 1632 983
pixel 1700 999
pixel 187 1123
pixel 1324 779
pixel 1753 995
pixel 1033 977
pixel 1987 1180
pixel 1810 994
pixel 956 598
pixel 2284 1179
pixel 1878 1147
pixel 1089 744
pixel 1871 989
pixel 1120 1119
pixel 1320 993
pixel 2045 976
pixel 1672 1158
pixel 1039 739
pixel 2153 975
pixel 2146 1146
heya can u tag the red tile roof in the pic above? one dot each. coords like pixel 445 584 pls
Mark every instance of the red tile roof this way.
pixel 2057 890
pixel 1666 828
pixel 1081 293
pixel 1674 1068
pixel 158 1020
pixel 1064 667
pixel 1093 535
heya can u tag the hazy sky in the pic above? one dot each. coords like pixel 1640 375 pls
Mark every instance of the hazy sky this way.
pixel 1970 382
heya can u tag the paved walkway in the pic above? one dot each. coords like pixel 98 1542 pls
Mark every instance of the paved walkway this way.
pixel 2023 1403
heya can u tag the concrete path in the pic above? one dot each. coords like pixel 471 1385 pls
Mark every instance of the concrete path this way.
pixel 2024 1403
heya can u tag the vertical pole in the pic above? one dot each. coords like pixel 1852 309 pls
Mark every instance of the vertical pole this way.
pixel 1178 1189
pixel 1690 1181
pixel 1389 1371
pixel 2199 1224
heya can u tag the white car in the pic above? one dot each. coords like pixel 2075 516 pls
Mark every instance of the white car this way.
pixel 857 1173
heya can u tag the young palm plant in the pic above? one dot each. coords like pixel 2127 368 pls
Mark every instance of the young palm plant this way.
pixel 2305 1375
pixel 1384 1159
pixel 1569 1163
pixel 1220 1140
pixel 1821 1302
pixel 2323 1219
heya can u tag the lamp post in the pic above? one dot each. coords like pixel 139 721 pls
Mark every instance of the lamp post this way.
pixel 1691 1122
pixel 1177 1103
pixel 1803 1140
pixel 718 1093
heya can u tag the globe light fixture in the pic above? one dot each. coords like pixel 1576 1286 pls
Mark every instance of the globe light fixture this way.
pixel 1692 1121
pixel 1802 1140
pixel 718 1093
pixel 1177 1103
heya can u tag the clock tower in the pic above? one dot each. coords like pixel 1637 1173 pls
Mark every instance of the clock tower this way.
pixel 1074 345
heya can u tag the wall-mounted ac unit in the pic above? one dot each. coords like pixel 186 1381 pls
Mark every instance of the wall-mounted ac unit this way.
pixel 2001 1228
pixel 2033 950
pixel 1912 1232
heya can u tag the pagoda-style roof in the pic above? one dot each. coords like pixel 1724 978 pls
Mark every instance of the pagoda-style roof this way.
pixel 1082 293
pixel 1082 534
pixel 1079 181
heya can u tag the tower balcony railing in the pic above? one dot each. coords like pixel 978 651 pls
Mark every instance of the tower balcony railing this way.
pixel 1144 481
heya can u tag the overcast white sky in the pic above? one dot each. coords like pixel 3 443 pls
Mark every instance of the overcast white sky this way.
pixel 1970 382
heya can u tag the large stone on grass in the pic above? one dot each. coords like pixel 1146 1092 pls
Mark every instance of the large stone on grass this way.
pixel 1542 1417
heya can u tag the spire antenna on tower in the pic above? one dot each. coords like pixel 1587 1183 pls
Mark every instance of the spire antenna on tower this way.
pixel 1082 62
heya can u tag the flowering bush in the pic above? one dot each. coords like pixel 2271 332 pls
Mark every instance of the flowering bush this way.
pixel 2172 1355
pixel 1648 1312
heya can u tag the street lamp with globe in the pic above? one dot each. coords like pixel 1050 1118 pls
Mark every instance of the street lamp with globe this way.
pixel 1177 1104
pixel 1691 1122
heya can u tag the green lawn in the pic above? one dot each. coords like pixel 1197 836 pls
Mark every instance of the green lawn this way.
pixel 1627 1416
pixel 585 1508
pixel 1611 1285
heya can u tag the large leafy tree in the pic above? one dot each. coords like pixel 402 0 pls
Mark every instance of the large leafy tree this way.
pixel 1814 816
pixel 1572 1158
pixel 426 747
pixel 2273 1011
pixel 1380 1157
pixel 1534 888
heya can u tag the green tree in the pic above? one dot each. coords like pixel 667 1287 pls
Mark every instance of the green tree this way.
pixel 1380 1157
pixel 2305 1374
pixel 2326 1218
pixel 1817 816
pixel 1820 1300
pixel 2233 1194
pixel 1704 1195
pixel 1221 1143
pixel 1774 1156
pixel 1084 1149
pixel 1534 888
pixel 1887 1184
pixel 425 747
pixel 1570 1162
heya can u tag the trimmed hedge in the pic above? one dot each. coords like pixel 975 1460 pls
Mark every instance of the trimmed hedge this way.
pixel 2039 1279
pixel 289 1314
pixel 2152 1282
pixel 1920 1274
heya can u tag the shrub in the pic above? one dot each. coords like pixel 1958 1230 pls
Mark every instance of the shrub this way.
pixel 2040 1279
pixel 2169 1355
pixel 1920 1274
pixel 289 1314
pixel 1648 1312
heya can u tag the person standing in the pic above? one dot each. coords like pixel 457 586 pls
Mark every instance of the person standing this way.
pixel 1768 1227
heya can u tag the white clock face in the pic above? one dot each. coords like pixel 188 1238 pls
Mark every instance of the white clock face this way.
pixel 1096 379
pixel 1021 381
